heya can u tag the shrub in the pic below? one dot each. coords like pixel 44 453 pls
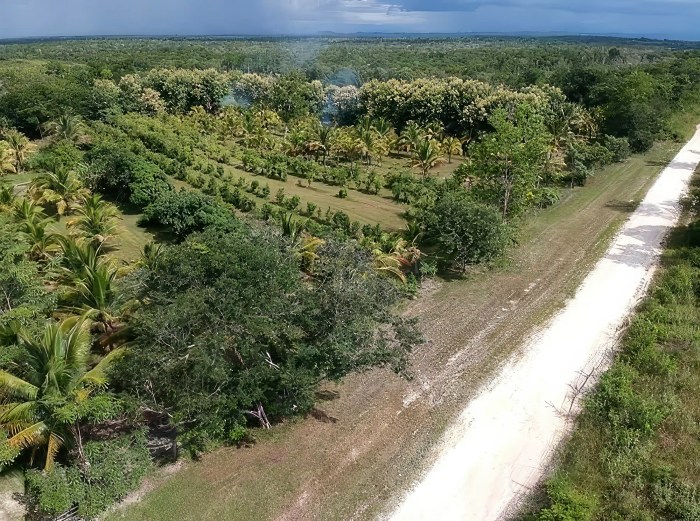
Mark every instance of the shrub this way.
pixel 185 212
pixel 343 193
pixel 566 503
pixel 545 197
pixel 469 232
pixel 292 203
pixel 126 176
pixel 234 294
pixel 116 468
pixel 619 147
pixel 341 221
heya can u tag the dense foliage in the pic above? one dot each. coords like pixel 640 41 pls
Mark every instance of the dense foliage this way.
pixel 232 332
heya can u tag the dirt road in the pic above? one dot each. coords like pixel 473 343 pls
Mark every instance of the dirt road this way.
pixel 498 447
pixel 378 432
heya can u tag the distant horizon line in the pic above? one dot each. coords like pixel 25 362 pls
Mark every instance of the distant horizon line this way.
pixel 376 34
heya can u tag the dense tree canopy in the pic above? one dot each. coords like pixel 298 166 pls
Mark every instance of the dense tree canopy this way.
pixel 233 333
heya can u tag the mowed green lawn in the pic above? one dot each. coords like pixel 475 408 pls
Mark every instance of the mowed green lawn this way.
pixel 362 207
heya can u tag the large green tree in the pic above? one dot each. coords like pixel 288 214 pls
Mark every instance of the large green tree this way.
pixel 506 164
pixel 233 334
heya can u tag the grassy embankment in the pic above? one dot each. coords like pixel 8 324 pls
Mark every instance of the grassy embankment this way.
pixel 635 452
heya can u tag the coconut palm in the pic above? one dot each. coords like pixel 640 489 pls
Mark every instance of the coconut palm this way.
pixel 7 197
pixel 292 227
pixel 20 147
pixel 26 210
pixel 451 145
pixel 435 130
pixel 91 279
pixel 77 255
pixel 7 158
pixel 95 295
pixel 66 126
pixel 96 220
pixel 427 156
pixel 306 250
pixel 61 188
pixel 388 264
pixel 43 410
pixel 325 135
pixel 383 128
pixel 42 243
pixel 151 256
pixel 411 137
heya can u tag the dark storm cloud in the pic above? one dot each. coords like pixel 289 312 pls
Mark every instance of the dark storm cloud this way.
pixel 602 7
pixel 673 18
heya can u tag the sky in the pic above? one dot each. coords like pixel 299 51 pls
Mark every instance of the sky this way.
pixel 655 18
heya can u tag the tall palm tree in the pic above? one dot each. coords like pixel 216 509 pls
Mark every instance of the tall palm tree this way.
pixel 66 126
pixel 61 188
pixel 427 156
pixel 326 136
pixel 43 410
pixel 96 220
pixel 451 145
pixel 20 146
pixel 7 158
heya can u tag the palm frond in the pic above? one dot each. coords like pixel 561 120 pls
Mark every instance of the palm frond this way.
pixel 97 376
pixel 54 445
pixel 13 386
pixel 30 436
pixel 13 414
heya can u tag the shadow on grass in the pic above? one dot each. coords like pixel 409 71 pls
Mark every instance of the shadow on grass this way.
pixel 161 234
pixel 622 206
